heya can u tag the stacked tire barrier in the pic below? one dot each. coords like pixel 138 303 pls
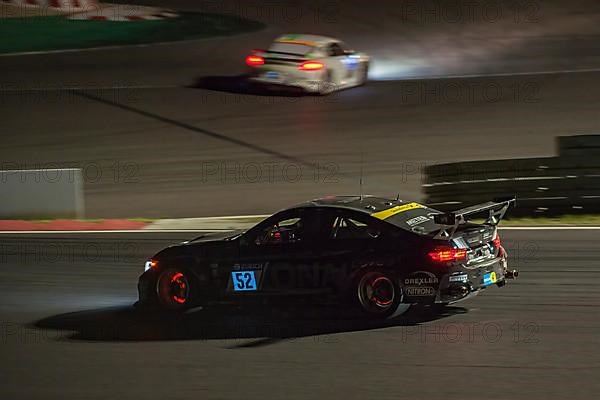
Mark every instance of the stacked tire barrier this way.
pixel 567 184
pixel 63 5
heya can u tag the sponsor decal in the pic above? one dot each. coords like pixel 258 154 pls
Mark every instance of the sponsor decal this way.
pixel 420 283
pixel 248 267
pixel 462 278
pixel 246 277
pixel 396 210
pixel 489 279
pixel 243 281
pixel 421 278
pixel 418 220
pixel 283 276
pixel 419 291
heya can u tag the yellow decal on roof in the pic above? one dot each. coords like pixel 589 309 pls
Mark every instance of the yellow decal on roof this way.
pixel 302 42
pixel 385 214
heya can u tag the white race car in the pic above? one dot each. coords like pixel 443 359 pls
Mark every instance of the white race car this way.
pixel 317 64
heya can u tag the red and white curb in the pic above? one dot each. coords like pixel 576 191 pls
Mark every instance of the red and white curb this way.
pixel 63 5
pixel 124 13
pixel 69 225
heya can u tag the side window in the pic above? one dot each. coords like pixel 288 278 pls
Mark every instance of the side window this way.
pixel 335 50
pixel 290 230
pixel 345 48
pixel 345 227
pixel 330 50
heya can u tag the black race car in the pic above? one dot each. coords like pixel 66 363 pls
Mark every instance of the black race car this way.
pixel 375 254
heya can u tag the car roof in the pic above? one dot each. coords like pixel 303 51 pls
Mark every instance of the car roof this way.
pixel 305 39
pixel 378 207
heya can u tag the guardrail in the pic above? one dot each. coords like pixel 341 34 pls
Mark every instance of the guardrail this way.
pixel 41 193
pixel 567 184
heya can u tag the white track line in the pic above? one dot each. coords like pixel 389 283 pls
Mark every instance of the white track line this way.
pixel 490 75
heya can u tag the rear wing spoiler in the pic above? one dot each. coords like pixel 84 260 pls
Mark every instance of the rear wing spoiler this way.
pixel 452 220
pixel 297 57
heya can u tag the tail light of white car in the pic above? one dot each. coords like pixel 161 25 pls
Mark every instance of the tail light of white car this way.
pixel 255 61
pixel 311 66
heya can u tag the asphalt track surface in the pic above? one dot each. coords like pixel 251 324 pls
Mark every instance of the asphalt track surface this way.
pixel 69 332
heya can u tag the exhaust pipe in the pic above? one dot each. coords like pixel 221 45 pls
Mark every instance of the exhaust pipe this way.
pixel 511 274
pixel 458 291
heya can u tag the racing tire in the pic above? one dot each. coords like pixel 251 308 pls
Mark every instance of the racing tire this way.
pixel 328 84
pixel 176 290
pixel 378 295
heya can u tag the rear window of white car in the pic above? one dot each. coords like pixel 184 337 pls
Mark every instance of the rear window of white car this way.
pixel 291 48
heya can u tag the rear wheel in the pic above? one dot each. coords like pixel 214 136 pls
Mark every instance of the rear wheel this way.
pixel 379 296
pixel 328 84
pixel 175 289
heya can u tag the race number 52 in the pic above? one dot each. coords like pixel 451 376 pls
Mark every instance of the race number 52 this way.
pixel 243 280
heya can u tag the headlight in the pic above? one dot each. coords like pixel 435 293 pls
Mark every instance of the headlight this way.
pixel 150 264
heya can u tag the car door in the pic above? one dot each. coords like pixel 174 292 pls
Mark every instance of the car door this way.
pixel 356 240
pixel 276 256
pixel 337 62
pixel 350 59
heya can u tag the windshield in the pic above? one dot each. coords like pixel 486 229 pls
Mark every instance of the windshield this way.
pixel 291 48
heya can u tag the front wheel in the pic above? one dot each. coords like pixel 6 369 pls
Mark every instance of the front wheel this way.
pixel 379 296
pixel 175 289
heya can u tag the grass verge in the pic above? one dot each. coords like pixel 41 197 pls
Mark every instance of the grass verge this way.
pixel 58 33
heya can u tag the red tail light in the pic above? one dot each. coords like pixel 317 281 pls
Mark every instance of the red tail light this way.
pixel 496 241
pixel 255 61
pixel 498 244
pixel 446 254
pixel 311 66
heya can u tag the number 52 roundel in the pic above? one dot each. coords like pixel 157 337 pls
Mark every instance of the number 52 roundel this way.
pixel 243 281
